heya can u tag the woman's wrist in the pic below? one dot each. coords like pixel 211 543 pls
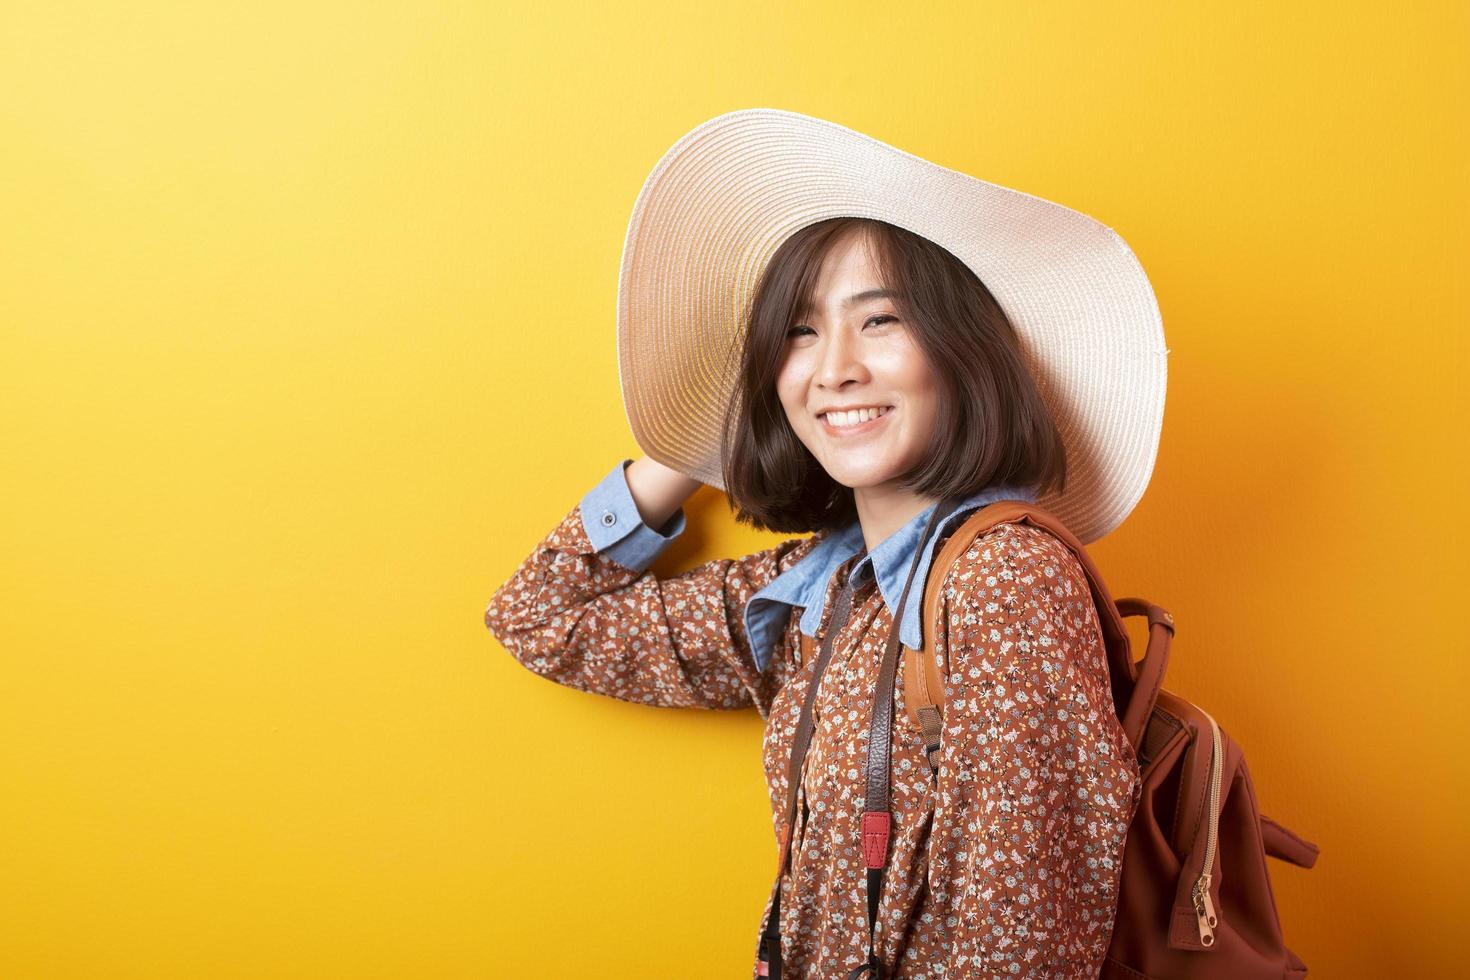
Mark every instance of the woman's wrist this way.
pixel 658 490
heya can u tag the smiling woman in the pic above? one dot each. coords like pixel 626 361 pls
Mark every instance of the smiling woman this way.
pixel 880 397
pixel 880 376
pixel 855 314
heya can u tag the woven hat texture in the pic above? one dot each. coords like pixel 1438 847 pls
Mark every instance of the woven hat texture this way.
pixel 722 199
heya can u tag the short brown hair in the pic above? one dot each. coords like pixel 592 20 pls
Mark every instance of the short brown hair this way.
pixel 993 428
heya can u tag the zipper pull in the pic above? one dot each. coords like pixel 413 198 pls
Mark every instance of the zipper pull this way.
pixel 1204 910
pixel 1209 902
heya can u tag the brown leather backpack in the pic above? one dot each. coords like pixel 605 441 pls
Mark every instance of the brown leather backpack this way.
pixel 1195 898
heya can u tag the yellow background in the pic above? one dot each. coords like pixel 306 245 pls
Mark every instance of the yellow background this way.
pixel 308 338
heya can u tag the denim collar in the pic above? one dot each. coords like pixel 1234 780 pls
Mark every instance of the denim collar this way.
pixel 805 584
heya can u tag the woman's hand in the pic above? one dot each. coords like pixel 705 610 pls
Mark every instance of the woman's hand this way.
pixel 658 490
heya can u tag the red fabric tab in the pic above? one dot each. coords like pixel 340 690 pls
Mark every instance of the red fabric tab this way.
pixel 875 837
pixel 762 968
pixel 785 850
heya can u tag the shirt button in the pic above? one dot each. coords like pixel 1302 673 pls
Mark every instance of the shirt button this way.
pixel 609 518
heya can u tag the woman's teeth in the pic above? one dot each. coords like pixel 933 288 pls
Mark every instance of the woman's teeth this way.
pixel 843 419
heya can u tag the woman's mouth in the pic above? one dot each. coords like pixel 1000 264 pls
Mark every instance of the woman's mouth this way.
pixel 847 424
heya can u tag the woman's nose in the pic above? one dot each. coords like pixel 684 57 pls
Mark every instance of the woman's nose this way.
pixel 840 361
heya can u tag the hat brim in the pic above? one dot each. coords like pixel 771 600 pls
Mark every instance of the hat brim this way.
pixel 730 191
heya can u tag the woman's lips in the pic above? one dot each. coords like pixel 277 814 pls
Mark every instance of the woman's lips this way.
pixel 862 428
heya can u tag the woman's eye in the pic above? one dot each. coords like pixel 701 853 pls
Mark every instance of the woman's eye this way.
pixel 879 318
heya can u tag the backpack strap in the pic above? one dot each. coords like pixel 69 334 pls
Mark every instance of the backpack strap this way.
pixel 923 675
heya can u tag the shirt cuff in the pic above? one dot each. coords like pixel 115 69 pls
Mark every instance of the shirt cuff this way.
pixel 615 527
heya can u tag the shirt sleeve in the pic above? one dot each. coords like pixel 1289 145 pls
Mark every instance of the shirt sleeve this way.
pixel 582 610
pixel 1041 780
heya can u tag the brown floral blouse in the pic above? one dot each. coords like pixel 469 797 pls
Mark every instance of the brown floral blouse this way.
pixel 1008 867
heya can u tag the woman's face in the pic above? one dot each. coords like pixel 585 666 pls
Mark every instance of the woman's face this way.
pixel 853 352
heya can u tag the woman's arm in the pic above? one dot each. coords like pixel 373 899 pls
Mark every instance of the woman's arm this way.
pixel 657 490
pixel 1038 780
pixel 582 610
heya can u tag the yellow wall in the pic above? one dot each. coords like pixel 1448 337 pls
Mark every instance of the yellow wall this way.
pixel 307 317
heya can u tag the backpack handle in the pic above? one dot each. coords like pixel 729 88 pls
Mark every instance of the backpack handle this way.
pixel 1148 673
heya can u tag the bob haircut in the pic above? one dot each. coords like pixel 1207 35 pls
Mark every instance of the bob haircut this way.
pixel 993 426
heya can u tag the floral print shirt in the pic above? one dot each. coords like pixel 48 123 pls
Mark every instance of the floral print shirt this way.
pixel 1009 865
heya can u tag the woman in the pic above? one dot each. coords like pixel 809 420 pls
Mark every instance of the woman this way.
pixel 878 376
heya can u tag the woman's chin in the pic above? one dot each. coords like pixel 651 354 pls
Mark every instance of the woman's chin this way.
pixel 862 477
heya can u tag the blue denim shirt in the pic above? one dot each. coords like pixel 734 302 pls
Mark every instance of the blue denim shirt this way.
pixel 616 530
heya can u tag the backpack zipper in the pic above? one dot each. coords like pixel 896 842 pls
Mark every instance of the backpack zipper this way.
pixel 1204 907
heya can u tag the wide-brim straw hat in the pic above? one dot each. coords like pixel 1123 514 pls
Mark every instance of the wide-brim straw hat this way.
pixel 728 192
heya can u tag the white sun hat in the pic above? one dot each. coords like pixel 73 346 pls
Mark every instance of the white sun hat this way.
pixel 722 199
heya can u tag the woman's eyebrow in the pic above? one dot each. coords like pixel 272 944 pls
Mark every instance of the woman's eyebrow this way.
pixel 861 297
pixel 866 295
